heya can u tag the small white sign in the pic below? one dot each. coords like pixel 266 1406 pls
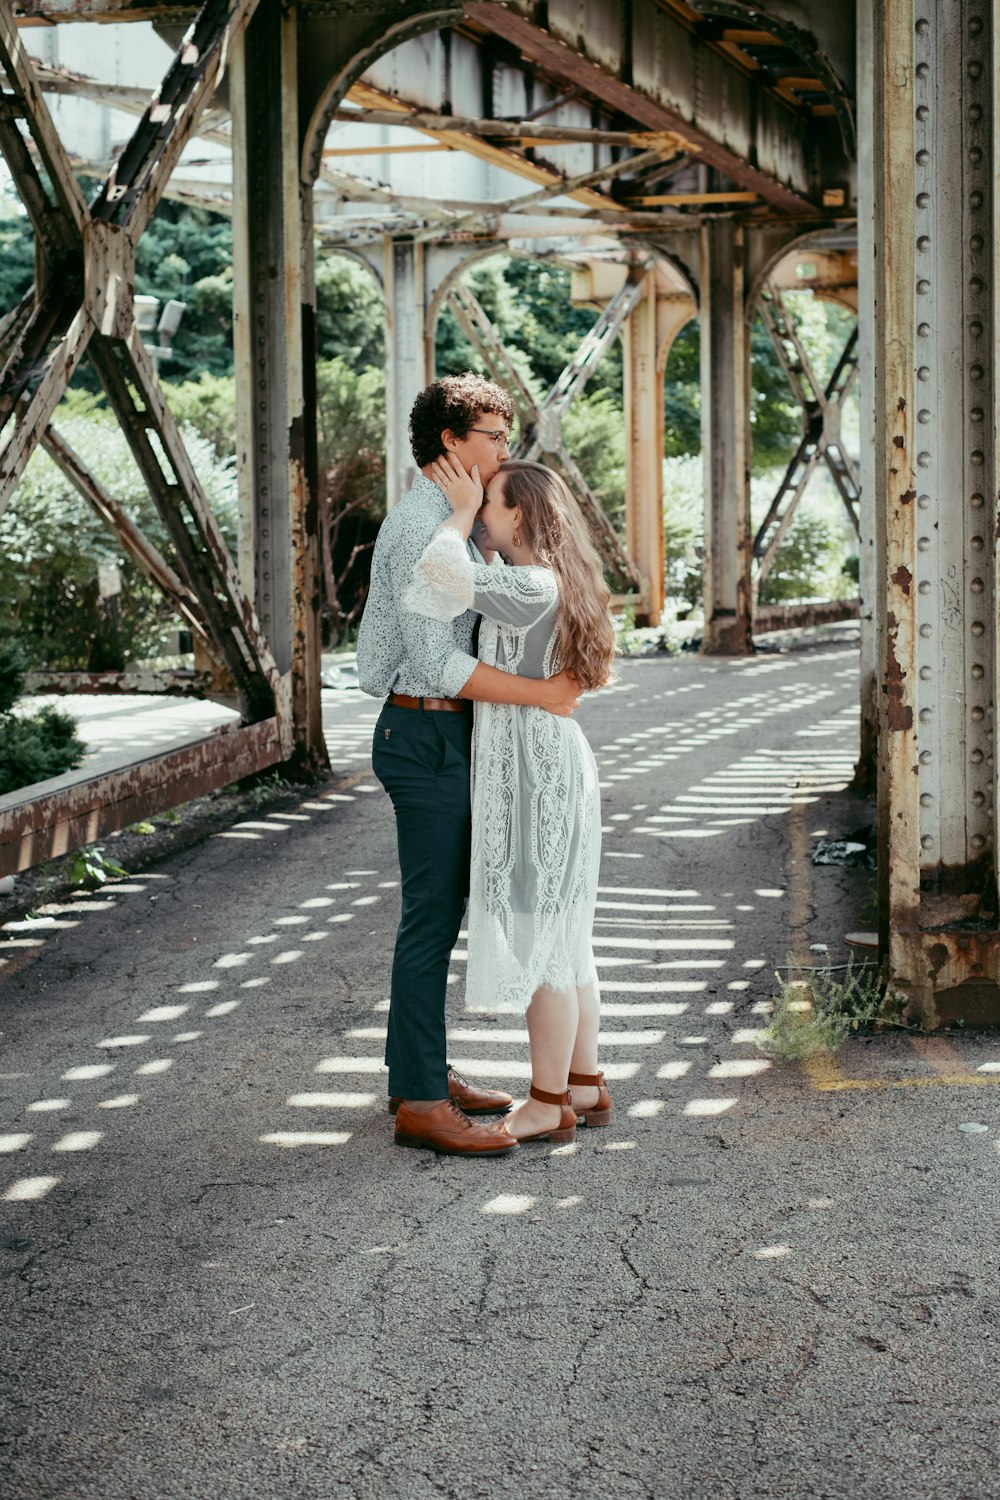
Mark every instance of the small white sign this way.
pixel 109 580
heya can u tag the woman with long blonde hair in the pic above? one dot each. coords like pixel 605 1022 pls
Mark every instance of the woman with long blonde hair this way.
pixel 536 824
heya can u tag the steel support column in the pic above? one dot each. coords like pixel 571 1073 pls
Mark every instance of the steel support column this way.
pixel 935 298
pixel 643 393
pixel 278 507
pixel 406 371
pixel 865 771
pixel 725 438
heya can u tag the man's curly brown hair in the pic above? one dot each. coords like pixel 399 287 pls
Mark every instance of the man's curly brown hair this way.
pixel 453 404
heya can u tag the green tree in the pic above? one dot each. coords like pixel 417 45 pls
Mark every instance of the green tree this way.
pixel 350 313
pixel 775 423
pixel 17 251
pixel 528 303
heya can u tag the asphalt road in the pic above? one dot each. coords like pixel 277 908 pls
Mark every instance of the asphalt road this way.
pixel 222 1280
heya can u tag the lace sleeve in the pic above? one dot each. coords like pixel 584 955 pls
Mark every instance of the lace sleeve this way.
pixel 442 583
pixel 516 596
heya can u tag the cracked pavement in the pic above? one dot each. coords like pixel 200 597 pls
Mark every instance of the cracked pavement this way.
pixel 222 1281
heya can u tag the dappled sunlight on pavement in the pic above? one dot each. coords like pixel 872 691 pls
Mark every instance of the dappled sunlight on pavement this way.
pixel 685 970
pixel 206 1221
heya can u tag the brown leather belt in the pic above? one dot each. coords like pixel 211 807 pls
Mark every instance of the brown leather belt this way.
pixel 435 705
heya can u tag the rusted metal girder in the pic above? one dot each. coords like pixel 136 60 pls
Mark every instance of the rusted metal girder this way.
pixel 408 353
pixel 643 401
pixel 135 184
pixel 800 41
pixel 179 683
pixel 767 617
pixel 40 828
pixel 104 249
pixel 513 132
pixel 562 187
pixel 127 374
pixel 725 439
pixel 935 297
pixel 275 359
pixel 652 36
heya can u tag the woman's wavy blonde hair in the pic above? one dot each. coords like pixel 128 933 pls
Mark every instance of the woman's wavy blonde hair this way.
pixel 554 528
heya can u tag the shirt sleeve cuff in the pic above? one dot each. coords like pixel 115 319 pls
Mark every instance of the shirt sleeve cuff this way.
pixel 457 670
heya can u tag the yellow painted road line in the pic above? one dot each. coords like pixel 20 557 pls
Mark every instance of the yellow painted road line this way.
pixel 959 1080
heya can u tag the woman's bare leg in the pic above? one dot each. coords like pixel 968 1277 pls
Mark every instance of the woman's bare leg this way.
pixel 584 1055
pixel 553 1023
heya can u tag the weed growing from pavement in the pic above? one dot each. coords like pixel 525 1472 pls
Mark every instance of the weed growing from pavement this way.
pixel 91 867
pixel 264 789
pixel 815 1010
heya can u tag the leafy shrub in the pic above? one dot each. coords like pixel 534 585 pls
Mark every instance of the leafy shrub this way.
pixel 809 564
pixel 594 432
pixel 33 747
pixel 815 1010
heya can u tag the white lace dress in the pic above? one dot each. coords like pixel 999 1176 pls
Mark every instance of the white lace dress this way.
pixel 536 823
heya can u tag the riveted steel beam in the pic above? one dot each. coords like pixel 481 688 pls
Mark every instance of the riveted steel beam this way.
pixel 272 328
pixel 135 183
pixel 725 439
pixel 104 242
pixel 57 370
pixel 802 42
pixel 407 356
pixel 58 212
pixel 669 89
pixel 643 400
pixel 866 767
pixel 935 283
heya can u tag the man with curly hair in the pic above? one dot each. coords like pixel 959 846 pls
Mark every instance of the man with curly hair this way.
pixel 421 752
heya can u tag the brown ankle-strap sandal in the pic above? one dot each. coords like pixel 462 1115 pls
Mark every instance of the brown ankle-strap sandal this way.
pixel 599 1113
pixel 565 1131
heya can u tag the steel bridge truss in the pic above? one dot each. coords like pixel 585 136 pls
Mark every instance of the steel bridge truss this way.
pixel 82 303
pixel 821 404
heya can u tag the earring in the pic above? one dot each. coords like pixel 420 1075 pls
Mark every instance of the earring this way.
pixel 516 539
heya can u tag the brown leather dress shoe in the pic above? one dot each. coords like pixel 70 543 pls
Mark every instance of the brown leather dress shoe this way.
pixel 469 1097
pixel 445 1129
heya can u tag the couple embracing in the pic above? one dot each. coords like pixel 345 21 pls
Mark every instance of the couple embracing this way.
pixel 486 620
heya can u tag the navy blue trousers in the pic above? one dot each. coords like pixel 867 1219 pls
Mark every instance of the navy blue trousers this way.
pixel 422 758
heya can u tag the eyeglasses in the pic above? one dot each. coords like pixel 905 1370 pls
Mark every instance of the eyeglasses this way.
pixel 501 438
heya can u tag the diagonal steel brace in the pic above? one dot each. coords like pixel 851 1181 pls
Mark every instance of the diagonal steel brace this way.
pixel 820 441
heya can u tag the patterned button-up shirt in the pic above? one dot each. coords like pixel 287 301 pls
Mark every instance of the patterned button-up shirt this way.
pixel 401 652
